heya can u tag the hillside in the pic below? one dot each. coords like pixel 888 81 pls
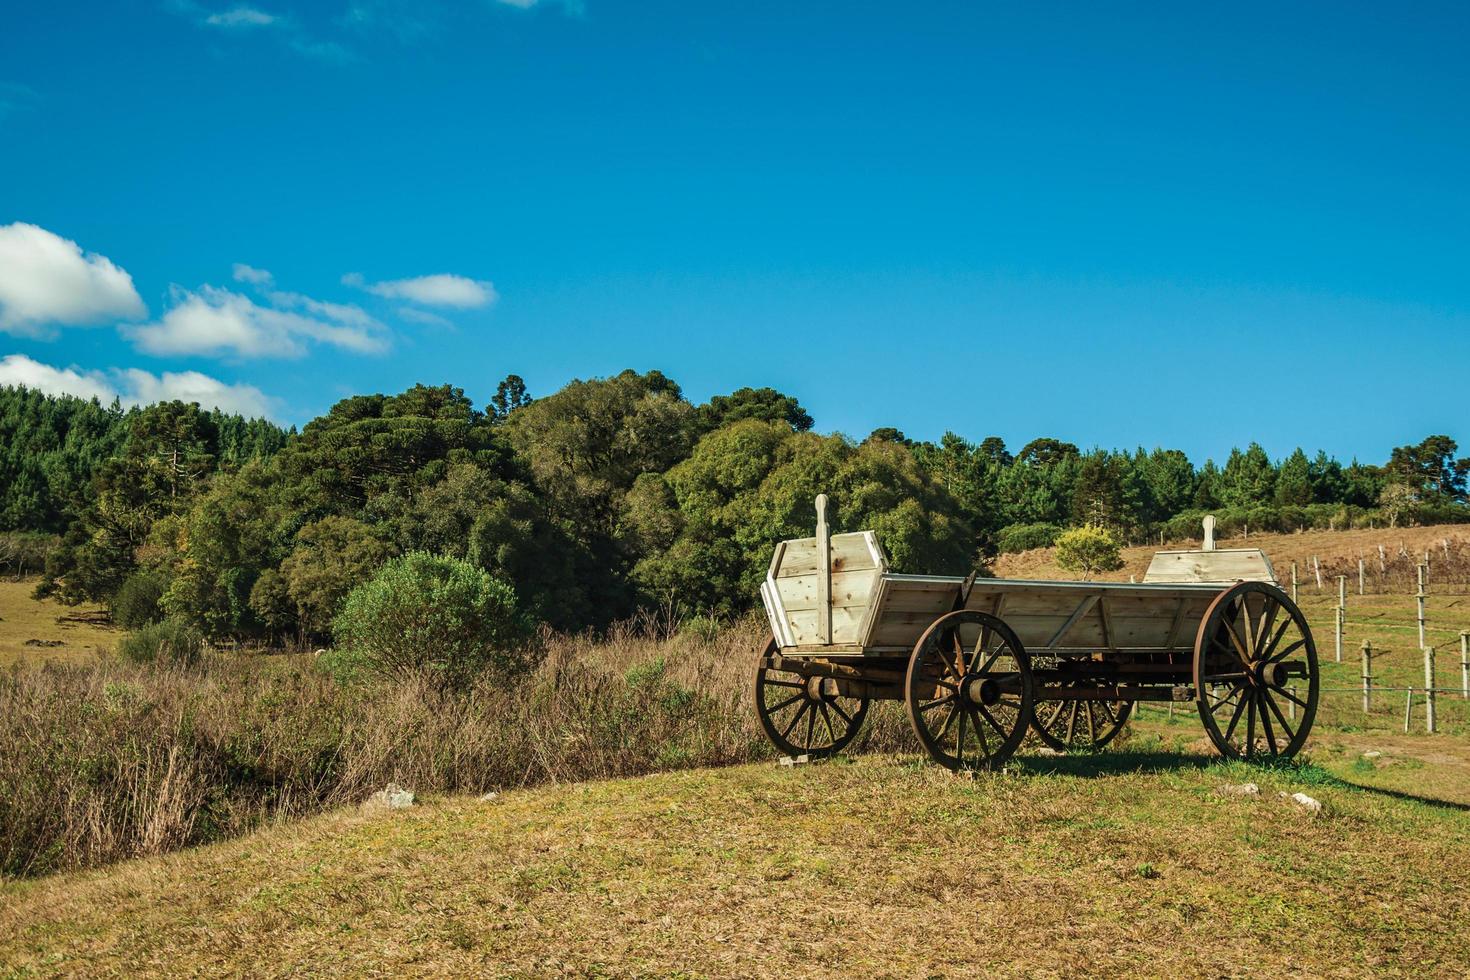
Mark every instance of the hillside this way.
pixel 1339 550
pixel 1123 862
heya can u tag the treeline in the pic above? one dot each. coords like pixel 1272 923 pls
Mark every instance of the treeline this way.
pixel 608 496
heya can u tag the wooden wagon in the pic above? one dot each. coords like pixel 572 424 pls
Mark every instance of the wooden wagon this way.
pixel 980 664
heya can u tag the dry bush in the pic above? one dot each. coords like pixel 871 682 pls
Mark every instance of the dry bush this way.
pixel 107 760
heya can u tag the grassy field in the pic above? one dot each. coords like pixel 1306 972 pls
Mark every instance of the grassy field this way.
pixel 45 629
pixel 877 864
pixel 1128 861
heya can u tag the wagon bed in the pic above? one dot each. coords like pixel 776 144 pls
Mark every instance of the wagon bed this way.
pixel 846 629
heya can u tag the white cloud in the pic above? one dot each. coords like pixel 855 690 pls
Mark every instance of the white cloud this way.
pixel 17 369
pixel 414 315
pixel 572 7
pixel 444 289
pixel 241 17
pixel 48 280
pixel 218 321
pixel 256 277
pixel 135 387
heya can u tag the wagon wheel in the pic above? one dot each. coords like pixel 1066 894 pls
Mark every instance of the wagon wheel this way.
pixel 969 690
pixel 804 715
pixel 1252 641
pixel 1079 725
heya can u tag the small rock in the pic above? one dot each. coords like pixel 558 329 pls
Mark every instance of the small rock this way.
pixel 45 643
pixel 1047 751
pixel 393 796
pixel 800 760
pixel 1244 789
pixel 490 797
pixel 1372 754
pixel 1305 802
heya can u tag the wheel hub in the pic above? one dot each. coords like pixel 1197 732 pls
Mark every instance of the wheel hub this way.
pixel 979 690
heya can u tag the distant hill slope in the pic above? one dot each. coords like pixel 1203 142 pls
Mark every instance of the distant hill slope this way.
pixel 1337 551
pixel 872 867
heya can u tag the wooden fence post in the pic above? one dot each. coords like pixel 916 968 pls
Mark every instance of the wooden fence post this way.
pixel 1465 664
pixel 1337 635
pixel 824 572
pixel 1419 597
pixel 1382 562
pixel 1408 709
pixel 1360 576
pixel 1367 676
pixel 1429 690
pixel 1317 570
pixel 1293 581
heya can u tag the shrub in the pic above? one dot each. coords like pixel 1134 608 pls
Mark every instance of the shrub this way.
pixel 1024 537
pixel 424 612
pixel 136 602
pixel 170 641
pixel 1089 549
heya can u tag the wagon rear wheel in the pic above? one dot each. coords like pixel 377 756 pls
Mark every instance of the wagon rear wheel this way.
pixel 1253 656
pixel 1075 725
pixel 804 715
pixel 969 690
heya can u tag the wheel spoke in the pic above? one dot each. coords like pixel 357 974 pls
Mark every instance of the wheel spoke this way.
pixel 999 728
pixel 1250 725
pixel 1235 715
pixel 1285 728
pixel 794 719
pixel 980 731
pixel 1234 692
pixel 1266 723
pixel 842 714
pixel 960 742
pixel 1091 723
pixel 1289 696
pixel 1240 650
pixel 772 709
pixel 1258 641
pixel 1288 651
pixel 811 723
pixel 1280 632
pixel 948 721
pixel 1245 614
pixel 947 699
pixel 772 682
pixel 827 718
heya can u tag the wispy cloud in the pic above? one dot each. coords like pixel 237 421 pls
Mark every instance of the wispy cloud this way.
pixel 245 19
pixel 252 275
pixel 219 322
pixel 413 315
pixel 442 289
pixel 133 386
pixel 47 281
pixel 241 17
pixel 574 8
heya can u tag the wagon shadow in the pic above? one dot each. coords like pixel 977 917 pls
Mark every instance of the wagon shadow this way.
pixel 1115 763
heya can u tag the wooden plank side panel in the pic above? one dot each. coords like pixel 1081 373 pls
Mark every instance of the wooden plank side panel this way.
pixel 859 588
pixel 847 625
pixel 1247 564
pixel 850 552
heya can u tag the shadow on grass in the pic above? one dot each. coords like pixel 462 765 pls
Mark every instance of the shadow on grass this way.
pixel 1117 763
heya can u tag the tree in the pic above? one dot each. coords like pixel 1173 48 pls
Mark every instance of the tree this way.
pixel 1248 479
pixel 1171 483
pixel 333 556
pixel 1294 481
pixel 1430 469
pixel 1207 487
pixel 765 404
pixel 1045 452
pixel 510 395
pixel 1088 549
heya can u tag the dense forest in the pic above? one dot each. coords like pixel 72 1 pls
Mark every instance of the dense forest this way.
pixel 607 496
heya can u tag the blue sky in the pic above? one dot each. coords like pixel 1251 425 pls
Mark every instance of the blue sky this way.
pixel 1115 224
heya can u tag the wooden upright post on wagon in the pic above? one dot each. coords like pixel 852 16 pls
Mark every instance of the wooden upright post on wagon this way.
pixel 824 571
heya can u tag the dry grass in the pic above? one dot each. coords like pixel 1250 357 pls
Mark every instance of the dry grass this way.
pixel 32 629
pixel 878 866
pixel 1338 552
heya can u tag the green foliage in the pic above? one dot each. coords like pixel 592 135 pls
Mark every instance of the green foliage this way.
pixel 137 601
pixel 1294 480
pixel 1024 537
pixel 429 613
pixel 171 641
pixel 1088 549
pixel 332 556
pixel 765 404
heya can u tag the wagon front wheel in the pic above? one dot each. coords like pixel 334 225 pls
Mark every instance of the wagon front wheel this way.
pixel 1255 673
pixel 803 714
pixel 969 691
